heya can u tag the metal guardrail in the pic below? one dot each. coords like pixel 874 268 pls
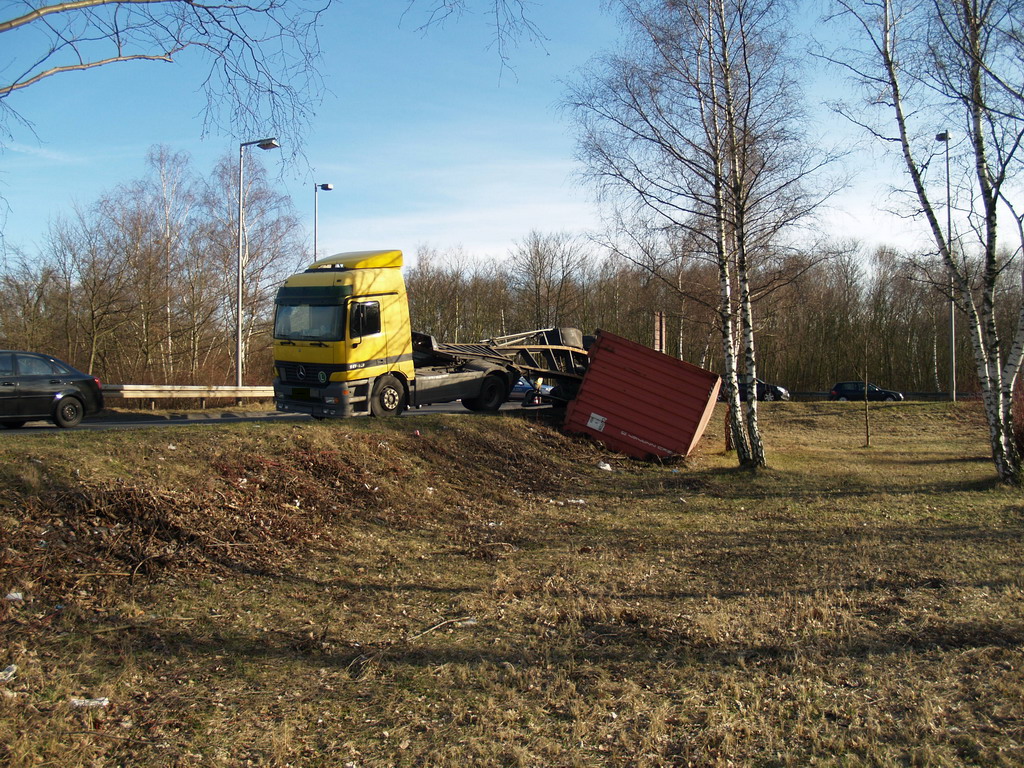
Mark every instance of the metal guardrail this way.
pixel 184 391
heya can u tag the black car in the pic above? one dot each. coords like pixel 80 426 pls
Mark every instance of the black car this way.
pixel 35 386
pixel 854 390
pixel 765 391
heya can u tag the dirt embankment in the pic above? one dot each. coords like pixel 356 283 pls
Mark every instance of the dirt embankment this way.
pixel 97 512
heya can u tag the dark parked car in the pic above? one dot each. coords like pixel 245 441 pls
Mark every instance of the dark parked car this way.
pixel 35 386
pixel 854 390
pixel 765 391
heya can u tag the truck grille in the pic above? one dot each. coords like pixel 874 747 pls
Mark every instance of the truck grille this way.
pixel 306 373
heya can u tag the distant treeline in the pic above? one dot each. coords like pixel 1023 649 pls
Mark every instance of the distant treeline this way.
pixel 140 288
pixel 820 318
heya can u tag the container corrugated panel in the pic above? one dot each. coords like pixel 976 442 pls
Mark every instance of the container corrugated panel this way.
pixel 641 402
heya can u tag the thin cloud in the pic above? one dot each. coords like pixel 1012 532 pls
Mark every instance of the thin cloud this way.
pixel 484 230
pixel 44 154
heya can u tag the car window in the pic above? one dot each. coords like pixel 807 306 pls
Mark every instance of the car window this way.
pixel 6 364
pixel 30 365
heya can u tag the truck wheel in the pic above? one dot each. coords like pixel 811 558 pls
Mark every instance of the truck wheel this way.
pixel 388 397
pixel 493 393
pixel 68 412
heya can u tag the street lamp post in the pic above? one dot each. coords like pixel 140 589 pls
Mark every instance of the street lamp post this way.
pixel 270 143
pixel 316 211
pixel 945 137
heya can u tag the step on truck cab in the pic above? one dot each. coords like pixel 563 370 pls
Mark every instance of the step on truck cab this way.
pixel 343 346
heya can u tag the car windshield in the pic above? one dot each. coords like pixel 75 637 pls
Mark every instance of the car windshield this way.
pixel 309 322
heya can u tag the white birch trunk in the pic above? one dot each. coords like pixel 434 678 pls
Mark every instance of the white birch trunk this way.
pixel 995 379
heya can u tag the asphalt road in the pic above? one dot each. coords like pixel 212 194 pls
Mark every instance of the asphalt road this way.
pixel 143 420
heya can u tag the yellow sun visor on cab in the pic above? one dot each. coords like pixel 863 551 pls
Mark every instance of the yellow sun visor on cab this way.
pixel 360 260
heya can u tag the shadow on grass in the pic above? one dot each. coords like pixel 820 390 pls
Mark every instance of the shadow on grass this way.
pixel 721 483
pixel 591 644
pixel 762 561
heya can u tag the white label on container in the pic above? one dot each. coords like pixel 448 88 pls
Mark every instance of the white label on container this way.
pixel 596 422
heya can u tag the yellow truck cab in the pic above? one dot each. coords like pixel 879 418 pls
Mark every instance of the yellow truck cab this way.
pixel 343 345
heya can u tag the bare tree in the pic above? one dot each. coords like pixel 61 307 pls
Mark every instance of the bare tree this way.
pixel 545 272
pixel 174 198
pixel 261 56
pixel 509 18
pixel 271 250
pixel 95 280
pixel 698 127
pixel 924 65
pixel 139 284
pixel 27 295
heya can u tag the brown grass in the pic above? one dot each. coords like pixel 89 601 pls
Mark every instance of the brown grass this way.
pixel 354 594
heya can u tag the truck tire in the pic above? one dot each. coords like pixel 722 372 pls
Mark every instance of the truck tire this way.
pixel 388 398
pixel 493 392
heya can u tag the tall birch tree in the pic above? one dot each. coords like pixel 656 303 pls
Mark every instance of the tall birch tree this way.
pixel 698 126
pixel 955 67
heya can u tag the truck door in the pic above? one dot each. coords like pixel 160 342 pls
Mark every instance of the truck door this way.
pixel 367 339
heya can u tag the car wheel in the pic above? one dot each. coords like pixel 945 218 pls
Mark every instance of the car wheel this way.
pixel 841 399
pixel 68 412
pixel 889 399
pixel 13 424
pixel 388 397
pixel 769 395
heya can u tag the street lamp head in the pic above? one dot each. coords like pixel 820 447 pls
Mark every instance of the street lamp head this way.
pixel 944 136
pixel 268 144
pixel 325 187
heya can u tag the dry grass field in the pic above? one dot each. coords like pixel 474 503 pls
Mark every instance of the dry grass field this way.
pixel 476 591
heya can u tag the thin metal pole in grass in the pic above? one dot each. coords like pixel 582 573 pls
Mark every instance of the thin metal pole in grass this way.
pixel 867 418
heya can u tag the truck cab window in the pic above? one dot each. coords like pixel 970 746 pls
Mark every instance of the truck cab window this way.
pixel 365 319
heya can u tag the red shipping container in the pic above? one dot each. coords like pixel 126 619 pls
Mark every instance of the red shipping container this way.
pixel 641 402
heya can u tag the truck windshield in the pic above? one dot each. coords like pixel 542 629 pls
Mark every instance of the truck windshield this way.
pixel 310 322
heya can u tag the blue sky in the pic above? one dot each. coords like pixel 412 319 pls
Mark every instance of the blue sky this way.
pixel 427 139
